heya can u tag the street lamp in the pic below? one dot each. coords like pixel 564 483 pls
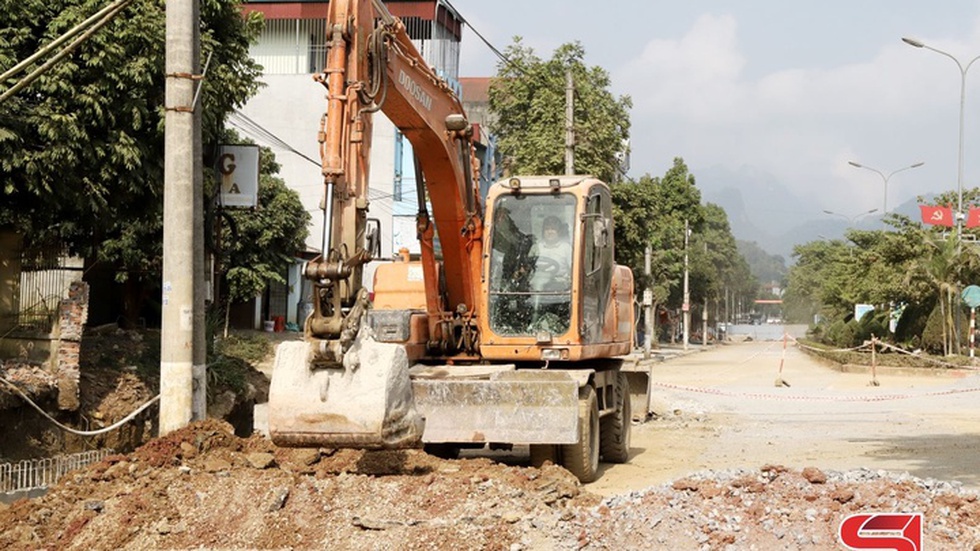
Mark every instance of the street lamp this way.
pixel 959 172
pixel 851 219
pixel 884 179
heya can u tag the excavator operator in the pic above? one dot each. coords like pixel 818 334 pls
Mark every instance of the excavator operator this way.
pixel 554 257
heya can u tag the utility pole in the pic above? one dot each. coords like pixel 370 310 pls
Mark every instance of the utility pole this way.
pixel 181 138
pixel 199 403
pixel 704 313
pixel 686 307
pixel 569 123
pixel 647 305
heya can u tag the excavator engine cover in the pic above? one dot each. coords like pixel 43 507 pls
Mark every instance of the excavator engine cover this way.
pixel 365 403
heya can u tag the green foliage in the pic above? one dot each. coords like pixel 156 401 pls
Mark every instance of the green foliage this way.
pixel 527 97
pixel 842 333
pixel 233 358
pixel 259 243
pixel 848 333
pixel 932 340
pixel 873 323
pixel 909 264
pixel 227 373
pixel 912 324
pixel 247 347
pixel 81 148
pixel 653 211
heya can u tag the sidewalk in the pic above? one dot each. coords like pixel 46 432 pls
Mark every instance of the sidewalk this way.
pixel 663 353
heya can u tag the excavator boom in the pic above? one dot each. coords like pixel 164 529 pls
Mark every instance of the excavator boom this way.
pixel 340 387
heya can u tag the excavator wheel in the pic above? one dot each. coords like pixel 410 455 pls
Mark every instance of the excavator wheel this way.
pixel 614 431
pixel 582 457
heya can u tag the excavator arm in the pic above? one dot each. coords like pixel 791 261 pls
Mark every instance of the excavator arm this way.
pixel 373 66
pixel 339 387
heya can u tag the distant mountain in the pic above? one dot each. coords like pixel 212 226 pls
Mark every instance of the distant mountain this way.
pixel 759 207
pixel 762 210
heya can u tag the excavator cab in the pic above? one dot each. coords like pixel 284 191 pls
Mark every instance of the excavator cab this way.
pixel 552 288
pixel 530 269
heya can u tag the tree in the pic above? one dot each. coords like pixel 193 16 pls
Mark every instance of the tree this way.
pixel 716 261
pixel 910 265
pixel 653 212
pixel 527 97
pixel 81 148
pixel 262 241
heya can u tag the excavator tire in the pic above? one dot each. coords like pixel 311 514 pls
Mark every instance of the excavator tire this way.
pixel 614 430
pixel 582 457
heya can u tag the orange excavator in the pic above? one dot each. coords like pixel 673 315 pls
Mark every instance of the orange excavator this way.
pixel 510 327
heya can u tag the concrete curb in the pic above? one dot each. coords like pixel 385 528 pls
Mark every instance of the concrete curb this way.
pixel 954 373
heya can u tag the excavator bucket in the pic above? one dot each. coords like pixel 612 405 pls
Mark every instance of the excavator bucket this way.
pixel 365 403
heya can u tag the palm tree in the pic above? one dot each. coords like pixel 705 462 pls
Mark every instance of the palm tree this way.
pixel 941 263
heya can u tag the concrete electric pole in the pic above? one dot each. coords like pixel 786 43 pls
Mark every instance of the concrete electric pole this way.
pixel 647 305
pixel 181 231
pixel 686 307
pixel 569 123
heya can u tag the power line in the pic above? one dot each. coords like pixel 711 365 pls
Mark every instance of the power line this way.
pixel 256 130
pixel 493 48
pixel 249 126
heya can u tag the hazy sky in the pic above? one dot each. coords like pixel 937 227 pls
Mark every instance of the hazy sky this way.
pixel 792 88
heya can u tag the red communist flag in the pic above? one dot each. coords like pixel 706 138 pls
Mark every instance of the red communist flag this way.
pixel 973 218
pixel 937 216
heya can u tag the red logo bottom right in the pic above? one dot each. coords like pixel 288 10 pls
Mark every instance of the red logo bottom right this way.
pixel 898 531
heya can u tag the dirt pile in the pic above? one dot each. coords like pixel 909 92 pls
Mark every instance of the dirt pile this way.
pixel 773 508
pixel 204 487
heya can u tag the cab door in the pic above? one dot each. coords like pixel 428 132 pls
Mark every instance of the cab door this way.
pixel 597 263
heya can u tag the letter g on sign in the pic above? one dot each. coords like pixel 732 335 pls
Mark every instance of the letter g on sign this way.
pixel 897 531
pixel 226 164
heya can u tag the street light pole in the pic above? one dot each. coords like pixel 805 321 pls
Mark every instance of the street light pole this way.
pixel 851 219
pixel 884 179
pixel 959 171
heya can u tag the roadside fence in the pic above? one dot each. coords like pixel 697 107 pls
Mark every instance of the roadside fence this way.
pixel 31 474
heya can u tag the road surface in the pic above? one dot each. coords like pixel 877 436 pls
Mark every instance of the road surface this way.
pixel 721 409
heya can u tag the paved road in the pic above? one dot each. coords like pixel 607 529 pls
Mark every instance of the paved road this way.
pixel 722 410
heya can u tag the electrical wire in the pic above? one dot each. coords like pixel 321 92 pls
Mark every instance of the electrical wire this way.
pixel 112 427
pixel 492 48
pixel 252 128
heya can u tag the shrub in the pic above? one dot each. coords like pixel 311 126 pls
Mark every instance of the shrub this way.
pixel 932 333
pixel 873 323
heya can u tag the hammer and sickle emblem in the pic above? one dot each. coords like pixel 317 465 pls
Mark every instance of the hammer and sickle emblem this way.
pixel 937 216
